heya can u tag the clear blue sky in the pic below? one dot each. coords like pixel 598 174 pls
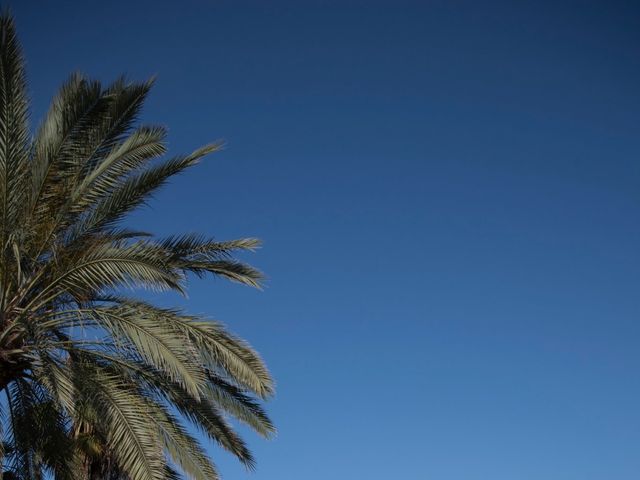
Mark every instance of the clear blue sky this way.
pixel 449 198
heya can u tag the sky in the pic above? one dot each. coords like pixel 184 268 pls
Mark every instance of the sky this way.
pixel 448 196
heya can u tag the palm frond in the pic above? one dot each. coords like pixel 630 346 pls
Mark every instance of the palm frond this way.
pixel 14 133
pixel 184 450
pixel 129 432
pixel 158 344
pixel 217 347
pixel 136 189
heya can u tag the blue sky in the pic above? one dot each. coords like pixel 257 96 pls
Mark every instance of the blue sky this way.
pixel 448 194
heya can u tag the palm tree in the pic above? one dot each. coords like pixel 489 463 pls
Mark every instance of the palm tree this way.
pixel 98 384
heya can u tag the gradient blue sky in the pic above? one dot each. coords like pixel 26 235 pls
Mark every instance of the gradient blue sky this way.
pixel 449 198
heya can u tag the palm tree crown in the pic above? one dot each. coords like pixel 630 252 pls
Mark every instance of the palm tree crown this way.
pixel 101 385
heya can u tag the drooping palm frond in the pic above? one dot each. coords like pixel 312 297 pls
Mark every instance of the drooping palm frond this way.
pixel 99 385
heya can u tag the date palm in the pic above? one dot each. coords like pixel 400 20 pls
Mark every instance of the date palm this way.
pixel 99 384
